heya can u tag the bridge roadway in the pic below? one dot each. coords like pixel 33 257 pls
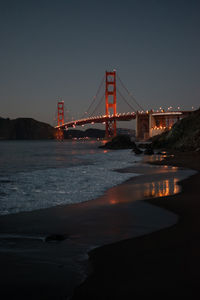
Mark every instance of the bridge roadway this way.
pixel 98 119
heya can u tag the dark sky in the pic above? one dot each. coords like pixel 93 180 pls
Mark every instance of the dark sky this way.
pixel 62 48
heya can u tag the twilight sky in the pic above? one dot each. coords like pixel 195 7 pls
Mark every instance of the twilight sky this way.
pixel 53 48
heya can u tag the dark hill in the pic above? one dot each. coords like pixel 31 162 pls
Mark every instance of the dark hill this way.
pixel 91 133
pixel 184 135
pixel 25 129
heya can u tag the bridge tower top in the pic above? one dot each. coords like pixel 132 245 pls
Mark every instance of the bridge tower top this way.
pixel 111 103
pixel 60 113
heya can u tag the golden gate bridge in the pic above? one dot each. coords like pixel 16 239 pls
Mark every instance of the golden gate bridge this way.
pixel 148 123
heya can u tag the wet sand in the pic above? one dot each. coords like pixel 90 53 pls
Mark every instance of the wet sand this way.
pixel 34 269
pixel 163 264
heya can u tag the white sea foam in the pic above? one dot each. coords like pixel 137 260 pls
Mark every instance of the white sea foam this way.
pixel 38 189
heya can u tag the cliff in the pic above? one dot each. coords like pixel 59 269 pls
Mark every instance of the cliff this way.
pixel 184 135
pixel 25 129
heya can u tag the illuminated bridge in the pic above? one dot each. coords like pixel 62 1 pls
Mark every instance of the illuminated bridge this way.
pixel 148 123
pixel 99 119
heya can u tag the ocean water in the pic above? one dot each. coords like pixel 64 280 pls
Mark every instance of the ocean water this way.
pixel 41 174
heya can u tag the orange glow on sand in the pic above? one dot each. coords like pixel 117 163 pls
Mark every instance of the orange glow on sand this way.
pixel 155 189
pixel 162 188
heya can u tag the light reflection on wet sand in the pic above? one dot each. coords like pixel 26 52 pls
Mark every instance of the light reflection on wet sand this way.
pixel 161 188
pixel 159 181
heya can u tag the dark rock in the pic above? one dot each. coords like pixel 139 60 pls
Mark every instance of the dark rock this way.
pixel 137 150
pixel 143 145
pixel 119 142
pixel 149 150
pixel 183 136
pixel 55 238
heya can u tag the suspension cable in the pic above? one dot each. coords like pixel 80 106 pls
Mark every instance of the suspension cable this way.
pixel 130 93
pixel 126 101
pixel 95 97
pixel 97 105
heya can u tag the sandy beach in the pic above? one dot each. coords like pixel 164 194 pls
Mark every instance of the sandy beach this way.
pixel 163 262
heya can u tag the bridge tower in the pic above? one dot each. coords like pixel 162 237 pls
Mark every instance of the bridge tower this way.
pixel 60 119
pixel 111 101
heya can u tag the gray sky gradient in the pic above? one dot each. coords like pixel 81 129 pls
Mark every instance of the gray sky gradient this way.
pixel 62 48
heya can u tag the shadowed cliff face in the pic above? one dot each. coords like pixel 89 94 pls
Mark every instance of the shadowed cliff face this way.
pixel 184 135
pixel 25 128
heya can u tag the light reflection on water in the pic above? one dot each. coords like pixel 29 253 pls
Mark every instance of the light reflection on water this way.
pixel 156 157
pixel 161 188
pixel 141 191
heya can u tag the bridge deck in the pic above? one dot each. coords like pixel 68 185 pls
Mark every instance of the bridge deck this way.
pixel 98 119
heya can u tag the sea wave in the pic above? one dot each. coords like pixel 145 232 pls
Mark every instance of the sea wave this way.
pixel 26 191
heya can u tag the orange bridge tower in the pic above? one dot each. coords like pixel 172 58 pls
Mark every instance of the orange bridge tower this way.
pixel 60 119
pixel 111 101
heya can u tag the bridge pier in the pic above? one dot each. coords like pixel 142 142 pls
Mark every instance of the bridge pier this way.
pixel 142 125
pixel 150 123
